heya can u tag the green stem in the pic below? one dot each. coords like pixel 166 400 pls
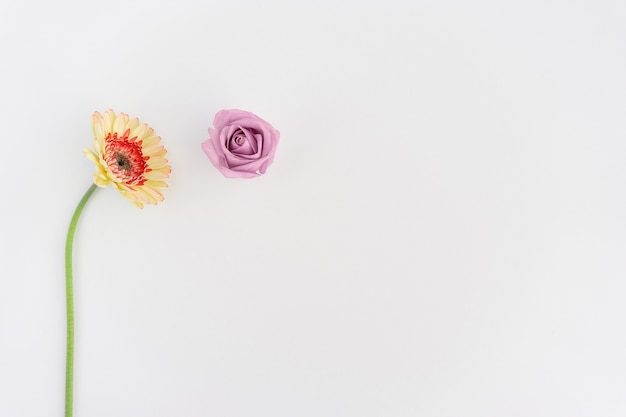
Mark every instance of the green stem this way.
pixel 69 295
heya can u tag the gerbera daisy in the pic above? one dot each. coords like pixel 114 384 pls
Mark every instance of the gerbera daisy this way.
pixel 130 156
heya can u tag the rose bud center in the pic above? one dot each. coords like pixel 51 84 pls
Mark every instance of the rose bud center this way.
pixel 242 143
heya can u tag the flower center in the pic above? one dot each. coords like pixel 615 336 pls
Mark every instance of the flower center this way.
pixel 239 138
pixel 123 162
pixel 125 159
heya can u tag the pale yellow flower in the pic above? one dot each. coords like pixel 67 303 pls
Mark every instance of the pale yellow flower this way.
pixel 130 156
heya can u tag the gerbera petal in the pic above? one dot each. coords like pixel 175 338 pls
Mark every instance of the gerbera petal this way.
pixel 150 140
pixel 132 125
pixel 119 126
pixel 97 125
pixel 157 162
pixel 100 182
pixel 156 194
pixel 157 175
pixel 156 184
pixel 139 131
pixel 154 150
pixel 145 196
pixel 109 119
pixel 91 155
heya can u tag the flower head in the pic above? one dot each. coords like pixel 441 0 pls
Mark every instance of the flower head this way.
pixel 130 156
pixel 241 144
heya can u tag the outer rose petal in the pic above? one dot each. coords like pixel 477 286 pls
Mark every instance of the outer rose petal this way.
pixel 229 162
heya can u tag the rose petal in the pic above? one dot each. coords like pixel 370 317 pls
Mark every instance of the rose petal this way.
pixel 214 154
pixel 230 173
pixel 228 117
pixel 248 166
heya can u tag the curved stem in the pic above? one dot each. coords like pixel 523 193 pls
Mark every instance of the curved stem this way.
pixel 69 295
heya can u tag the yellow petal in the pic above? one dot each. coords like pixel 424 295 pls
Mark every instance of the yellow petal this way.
pixel 150 140
pixel 120 124
pixel 99 181
pixel 156 163
pixel 139 131
pixel 144 195
pixel 156 184
pixel 132 126
pixel 97 125
pixel 91 155
pixel 109 119
pixel 157 175
pixel 154 150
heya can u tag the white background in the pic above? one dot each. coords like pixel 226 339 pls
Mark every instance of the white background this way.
pixel 442 232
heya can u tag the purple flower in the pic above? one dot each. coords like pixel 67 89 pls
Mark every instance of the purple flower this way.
pixel 241 145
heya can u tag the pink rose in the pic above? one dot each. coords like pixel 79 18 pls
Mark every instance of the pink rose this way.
pixel 241 145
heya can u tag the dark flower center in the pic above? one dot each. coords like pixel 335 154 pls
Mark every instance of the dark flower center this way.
pixel 123 162
pixel 125 158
